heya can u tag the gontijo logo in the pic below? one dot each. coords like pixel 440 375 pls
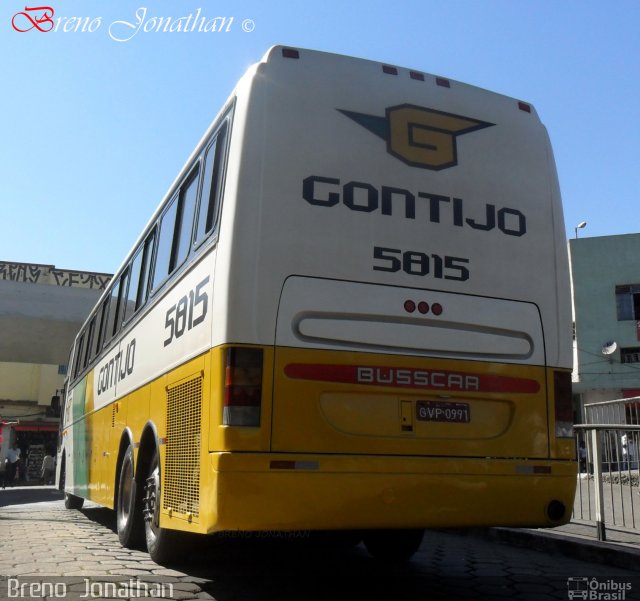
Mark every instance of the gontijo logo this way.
pixel 419 136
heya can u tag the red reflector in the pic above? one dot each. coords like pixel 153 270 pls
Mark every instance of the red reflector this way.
pixel 436 309
pixel 409 306
pixel 523 106
pixel 423 307
pixel 293 465
pixel 417 76
pixel 282 465
pixel 290 53
pixel 541 469
pixel 442 82
pixel 389 70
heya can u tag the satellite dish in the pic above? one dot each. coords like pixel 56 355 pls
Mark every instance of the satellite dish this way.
pixel 609 348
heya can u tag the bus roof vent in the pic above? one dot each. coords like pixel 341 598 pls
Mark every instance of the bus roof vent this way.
pixel 389 70
pixel 443 82
pixel 523 106
pixel 290 53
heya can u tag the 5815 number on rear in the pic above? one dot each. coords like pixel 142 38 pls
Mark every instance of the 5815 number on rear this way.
pixel 421 264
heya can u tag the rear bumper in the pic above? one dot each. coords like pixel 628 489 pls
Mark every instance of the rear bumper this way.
pixel 257 492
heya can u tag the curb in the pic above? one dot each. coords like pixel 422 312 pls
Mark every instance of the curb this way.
pixel 577 548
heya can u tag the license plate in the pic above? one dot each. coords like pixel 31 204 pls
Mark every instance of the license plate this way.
pixel 437 411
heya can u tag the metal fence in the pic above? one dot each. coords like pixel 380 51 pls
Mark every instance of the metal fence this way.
pixel 608 444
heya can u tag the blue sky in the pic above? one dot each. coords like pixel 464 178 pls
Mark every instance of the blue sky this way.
pixel 93 131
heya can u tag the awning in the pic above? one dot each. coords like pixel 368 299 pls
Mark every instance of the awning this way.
pixel 36 427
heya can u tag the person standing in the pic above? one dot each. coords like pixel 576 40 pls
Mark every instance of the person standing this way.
pixel 48 468
pixel 13 457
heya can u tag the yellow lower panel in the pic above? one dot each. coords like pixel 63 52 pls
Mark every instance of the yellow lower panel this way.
pixel 343 492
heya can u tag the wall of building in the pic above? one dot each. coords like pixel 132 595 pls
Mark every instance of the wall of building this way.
pixel 598 265
pixel 41 310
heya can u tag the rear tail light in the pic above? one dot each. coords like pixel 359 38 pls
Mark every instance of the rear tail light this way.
pixel 563 404
pixel 243 387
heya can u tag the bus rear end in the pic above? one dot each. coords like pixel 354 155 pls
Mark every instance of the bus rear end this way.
pixel 398 306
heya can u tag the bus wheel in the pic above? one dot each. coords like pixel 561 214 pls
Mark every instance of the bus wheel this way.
pixel 70 501
pixel 162 544
pixel 393 545
pixel 129 523
pixel 73 502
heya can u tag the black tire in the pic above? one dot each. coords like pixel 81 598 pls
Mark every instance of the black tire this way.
pixel 70 501
pixel 336 539
pixel 163 545
pixel 393 545
pixel 129 520
pixel 73 502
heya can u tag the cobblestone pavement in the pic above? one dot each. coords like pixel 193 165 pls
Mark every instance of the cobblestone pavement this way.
pixel 43 545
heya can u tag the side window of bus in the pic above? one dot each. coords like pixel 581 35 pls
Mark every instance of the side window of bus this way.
pixel 77 362
pixel 90 334
pixel 114 315
pixel 184 229
pixel 101 319
pixel 134 283
pixel 139 279
pixel 210 198
pixel 165 243
pixel 176 227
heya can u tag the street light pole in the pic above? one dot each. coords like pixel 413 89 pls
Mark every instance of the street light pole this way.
pixel 580 226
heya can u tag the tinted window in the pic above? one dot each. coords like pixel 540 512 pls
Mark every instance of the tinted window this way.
pixel 134 284
pixel 78 358
pixel 143 288
pixel 188 196
pixel 165 244
pixel 139 277
pixel 112 315
pixel 124 286
pixel 210 187
pixel 87 355
pixel 102 320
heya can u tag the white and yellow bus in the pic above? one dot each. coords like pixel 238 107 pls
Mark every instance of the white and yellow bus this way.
pixel 350 312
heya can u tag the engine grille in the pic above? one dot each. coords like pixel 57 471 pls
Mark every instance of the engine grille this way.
pixel 182 463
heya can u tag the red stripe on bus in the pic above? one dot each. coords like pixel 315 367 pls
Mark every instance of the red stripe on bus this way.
pixel 412 378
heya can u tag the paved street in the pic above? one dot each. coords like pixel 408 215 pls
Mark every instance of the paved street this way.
pixel 44 543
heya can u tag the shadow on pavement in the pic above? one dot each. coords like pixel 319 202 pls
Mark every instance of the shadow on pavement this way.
pixel 290 570
pixel 22 495
pixel 101 515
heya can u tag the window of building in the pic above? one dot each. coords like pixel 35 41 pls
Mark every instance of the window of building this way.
pixel 628 302
pixel 630 355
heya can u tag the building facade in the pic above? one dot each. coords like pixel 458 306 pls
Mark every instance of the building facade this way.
pixel 606 301
pixel 41 311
